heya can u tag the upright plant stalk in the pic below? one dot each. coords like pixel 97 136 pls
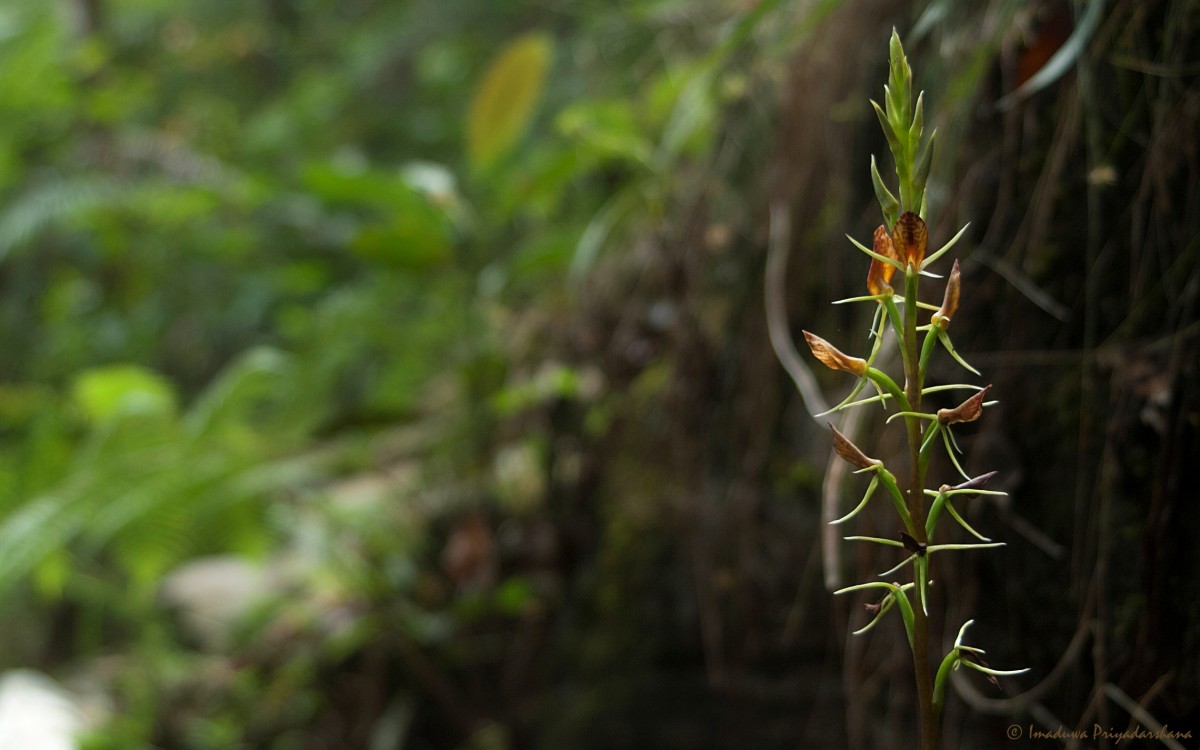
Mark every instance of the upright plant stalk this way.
pixel 900 245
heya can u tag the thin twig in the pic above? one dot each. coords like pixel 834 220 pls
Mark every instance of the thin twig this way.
pixel 777 325
pixel 1119 697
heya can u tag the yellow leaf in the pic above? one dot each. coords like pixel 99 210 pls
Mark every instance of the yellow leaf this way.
pixel 506 97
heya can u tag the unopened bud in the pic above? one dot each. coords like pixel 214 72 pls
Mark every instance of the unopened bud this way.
pixel 942 317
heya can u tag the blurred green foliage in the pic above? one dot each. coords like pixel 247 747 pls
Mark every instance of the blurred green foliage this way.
pixel 239 245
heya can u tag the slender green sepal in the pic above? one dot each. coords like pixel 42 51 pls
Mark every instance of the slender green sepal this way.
pixel 845 403
pixel 870 585
pixel 944 547
pixel 872 400
pixel 950 387
pixel 944 248
pixel 997 493
pixel 864 298
pixel 922 568
pixel 897 566
pixel 964 524
pixel 875 539
pixel 993 672
pixel 915 414
pixel 951 449
pixel 945 339
pixel 870 491
pixel 877 330
pixel 889 483
pixel 875 255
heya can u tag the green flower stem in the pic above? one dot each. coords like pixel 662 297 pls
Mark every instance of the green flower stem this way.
pixel 888 480
pixel 931 339
pixel 943 676
pixel 893 313
pixel 881 379
pixel 935 512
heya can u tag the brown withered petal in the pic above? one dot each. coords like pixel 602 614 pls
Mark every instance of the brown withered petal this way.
pixel 967 411
pixel 950 300
pixel 850 452
pixel 910 236
pixel 880 273
pixel 833 358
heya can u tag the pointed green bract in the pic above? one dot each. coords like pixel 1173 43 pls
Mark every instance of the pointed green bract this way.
pixel 888 131
pixel 888 202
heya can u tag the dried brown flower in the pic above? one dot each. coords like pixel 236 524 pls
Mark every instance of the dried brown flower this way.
pixel 967 411
pixel 880 273
pixel 850 452
pixel 834 358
